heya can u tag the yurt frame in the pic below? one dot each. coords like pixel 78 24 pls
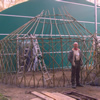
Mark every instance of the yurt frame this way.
pixel 55 34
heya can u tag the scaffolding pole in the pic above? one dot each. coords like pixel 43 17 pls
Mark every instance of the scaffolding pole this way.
pixel 95 1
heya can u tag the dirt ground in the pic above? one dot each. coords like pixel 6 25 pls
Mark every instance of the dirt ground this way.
pixel 16 93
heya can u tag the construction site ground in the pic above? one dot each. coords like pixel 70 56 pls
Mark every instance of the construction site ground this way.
pixel 17 93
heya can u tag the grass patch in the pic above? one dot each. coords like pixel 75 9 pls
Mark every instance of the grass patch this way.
pixel 3 97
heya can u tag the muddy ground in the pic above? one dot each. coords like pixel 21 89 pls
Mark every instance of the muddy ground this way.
pixel 16 93
pixel 24 93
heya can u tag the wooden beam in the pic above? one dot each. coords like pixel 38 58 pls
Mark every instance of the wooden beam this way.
pixel 41 95
pixel 58 96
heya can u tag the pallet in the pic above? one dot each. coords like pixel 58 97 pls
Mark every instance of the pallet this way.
pixel 80 96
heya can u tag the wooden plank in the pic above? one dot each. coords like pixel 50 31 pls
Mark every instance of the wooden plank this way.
pixel 64 96
pixel 41 95
pixel 36 99
pixel 58 96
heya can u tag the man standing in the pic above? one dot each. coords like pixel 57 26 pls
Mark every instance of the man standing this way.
pixel 75 58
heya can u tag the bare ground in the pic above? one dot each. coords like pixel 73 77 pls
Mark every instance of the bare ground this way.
pixel 16 93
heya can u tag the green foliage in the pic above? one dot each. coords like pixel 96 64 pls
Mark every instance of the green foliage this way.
pixel 3 98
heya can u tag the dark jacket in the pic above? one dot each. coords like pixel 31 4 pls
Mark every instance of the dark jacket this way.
pixel 70 57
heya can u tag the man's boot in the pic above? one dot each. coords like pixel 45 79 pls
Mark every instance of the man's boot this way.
pixel 79 85
pixel 73 86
